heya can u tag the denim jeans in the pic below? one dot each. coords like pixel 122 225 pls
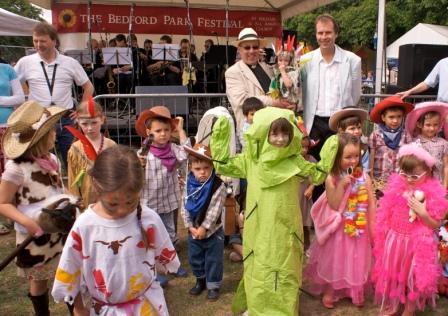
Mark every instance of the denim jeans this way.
pixel 64 140
pixel 206 258
pixel 168 221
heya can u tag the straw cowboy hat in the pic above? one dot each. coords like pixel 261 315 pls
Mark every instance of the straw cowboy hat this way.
pixel 27 125
pixel 249 34
pixel 156 111
pixel 378 109
pixel 422 108
pixel 333 123
pixel 200 151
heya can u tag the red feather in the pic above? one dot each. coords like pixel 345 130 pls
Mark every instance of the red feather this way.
pixel 91 107
pixel 290 43
pixel 278 45
pixel 86 144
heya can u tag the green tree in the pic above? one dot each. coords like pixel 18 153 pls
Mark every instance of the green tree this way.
pixel 23 8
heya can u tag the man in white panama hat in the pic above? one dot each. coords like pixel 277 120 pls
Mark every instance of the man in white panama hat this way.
pixel 249 78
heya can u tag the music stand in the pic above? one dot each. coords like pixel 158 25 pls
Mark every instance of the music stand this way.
pixel 165 52
pixel 117 56
pixel 81 55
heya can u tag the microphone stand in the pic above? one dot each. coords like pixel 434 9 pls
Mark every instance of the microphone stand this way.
pixel 190 35
pixel 89 26
pixel 131 15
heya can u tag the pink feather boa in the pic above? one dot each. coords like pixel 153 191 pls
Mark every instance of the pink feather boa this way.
pixel 425 249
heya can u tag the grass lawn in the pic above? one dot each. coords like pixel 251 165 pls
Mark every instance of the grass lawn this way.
pixel 13 290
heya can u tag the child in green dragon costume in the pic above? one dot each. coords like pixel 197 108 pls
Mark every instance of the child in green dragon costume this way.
pixel 273 234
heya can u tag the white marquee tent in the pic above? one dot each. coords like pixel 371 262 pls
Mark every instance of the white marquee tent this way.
pixel 15 25
pixel 422 33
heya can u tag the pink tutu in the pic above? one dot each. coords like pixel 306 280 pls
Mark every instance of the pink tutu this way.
pixel 406 265
pixel 341 264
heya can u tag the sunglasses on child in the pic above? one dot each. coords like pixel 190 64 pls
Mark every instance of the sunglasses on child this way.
pixel 413 177
pixel 248 47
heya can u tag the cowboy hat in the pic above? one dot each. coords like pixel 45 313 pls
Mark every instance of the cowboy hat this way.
pixel 422 108
pixel 160 111
pixel 200 151
pixel 249 34
pixel 345 112
pixel 27 125
pixel 378 109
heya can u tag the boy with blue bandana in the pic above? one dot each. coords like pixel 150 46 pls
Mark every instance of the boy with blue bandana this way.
pixel 202 212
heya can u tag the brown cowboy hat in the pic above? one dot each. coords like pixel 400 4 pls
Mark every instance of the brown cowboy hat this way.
pixel 378 109
pixel 200 151
pixel 27 125
pixel 156 111
pixel 337 116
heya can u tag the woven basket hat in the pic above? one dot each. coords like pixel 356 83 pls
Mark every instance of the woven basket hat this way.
pixel 27 125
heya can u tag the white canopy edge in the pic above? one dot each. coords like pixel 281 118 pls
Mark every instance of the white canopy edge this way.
pixel 15 25
pixel 287 8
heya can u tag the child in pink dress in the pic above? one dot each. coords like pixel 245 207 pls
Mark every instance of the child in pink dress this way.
pixel 405 248
pixel 340 257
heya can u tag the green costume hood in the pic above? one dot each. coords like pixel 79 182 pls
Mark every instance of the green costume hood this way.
pixel 276 165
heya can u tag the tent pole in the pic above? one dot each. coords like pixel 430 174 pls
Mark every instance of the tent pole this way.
pixel 227 33
pixel 380 46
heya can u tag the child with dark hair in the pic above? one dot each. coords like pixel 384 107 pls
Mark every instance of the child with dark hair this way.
pixel 273 237
pixel 250 106
pixel 202 212
pixel 116 245
pixel 340 256
pixel 305 195
pixel 387 138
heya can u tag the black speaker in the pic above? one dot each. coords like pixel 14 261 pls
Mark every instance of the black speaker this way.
pixel 416 62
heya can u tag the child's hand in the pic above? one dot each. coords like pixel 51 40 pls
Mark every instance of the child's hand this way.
pixel 33 227
pixel 282 68
pixel 346 180
pixel 193 232
pixel 418 207
pixel 309 192
pixel 201 232
pixel 180 123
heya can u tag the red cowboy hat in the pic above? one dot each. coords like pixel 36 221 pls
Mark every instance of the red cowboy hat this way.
pixel 156 111
pixel 378 109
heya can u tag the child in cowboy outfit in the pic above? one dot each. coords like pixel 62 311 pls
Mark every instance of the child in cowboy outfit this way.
pixel 31 176
pixel 386 139
pixel 161 158
pixel 202 212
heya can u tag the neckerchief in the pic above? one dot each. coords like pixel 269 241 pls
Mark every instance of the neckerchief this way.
pixel 197 193
pixel 47 164
pixel 392 137
pixel 166 155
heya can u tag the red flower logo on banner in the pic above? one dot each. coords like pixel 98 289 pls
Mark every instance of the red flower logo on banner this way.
pixel 67 18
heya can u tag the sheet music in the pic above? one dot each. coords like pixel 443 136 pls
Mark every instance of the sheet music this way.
pixel 167 52
pixel 110 55
pixel 81 55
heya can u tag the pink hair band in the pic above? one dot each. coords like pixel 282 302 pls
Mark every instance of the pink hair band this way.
pixel 418 151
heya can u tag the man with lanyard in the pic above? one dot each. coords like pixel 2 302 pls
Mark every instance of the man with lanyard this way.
pixel 331 80
pixel 50 76
pixel 249 78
